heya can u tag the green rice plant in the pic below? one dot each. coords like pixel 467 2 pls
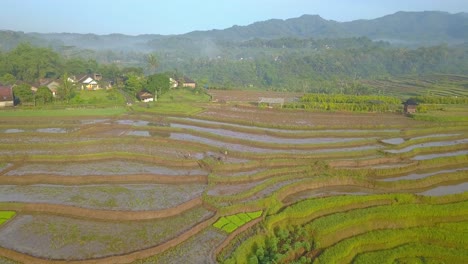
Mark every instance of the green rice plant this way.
pixel 254 215
pixel 232 222
pixel 380 207
pixel 346 250
pixel 6 215
pixel 420 250
pixel 114 111
pixel 244 217
pixel 221 222
pixel 236 220
pixel 230 227
pixel 333 228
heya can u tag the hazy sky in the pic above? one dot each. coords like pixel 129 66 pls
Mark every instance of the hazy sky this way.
pixel 135 17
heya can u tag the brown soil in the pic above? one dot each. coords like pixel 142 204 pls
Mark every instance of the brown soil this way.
pixel 230 96
pixel 300 118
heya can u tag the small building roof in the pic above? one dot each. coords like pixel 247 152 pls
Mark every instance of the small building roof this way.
pixel 411 101
pixel 6 93
pixel 144 95
pixel 188 80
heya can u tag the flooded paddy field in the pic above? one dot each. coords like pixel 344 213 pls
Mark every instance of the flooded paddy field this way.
pixel 101 168
pixel 198 249
pixel 125 197
pixel 56 237
pixel 191 171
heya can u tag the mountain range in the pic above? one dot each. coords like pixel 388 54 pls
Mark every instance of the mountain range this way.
pixel 402 28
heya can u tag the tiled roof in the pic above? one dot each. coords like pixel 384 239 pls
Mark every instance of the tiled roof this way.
pixel 6 93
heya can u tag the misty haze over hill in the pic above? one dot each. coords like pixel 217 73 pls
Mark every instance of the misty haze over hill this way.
pixel 402 28
pixel 297 54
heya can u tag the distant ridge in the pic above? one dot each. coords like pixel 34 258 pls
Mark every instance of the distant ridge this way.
pixel 404 28
pixel 428 26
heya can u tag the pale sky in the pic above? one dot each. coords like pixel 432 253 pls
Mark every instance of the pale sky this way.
pixel 133 17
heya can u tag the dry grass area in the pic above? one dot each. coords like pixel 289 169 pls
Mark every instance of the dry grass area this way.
pixel 237 96
pixel 302 118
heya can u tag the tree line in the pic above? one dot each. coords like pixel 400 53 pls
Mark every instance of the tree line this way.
pixel 26 65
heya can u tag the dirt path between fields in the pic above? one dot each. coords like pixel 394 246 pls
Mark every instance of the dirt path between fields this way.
pixel 106 215
pixel 99 179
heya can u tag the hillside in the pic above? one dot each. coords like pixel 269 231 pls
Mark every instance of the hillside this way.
pixel 404 28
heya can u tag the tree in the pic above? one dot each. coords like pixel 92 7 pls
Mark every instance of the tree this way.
pixel 134 83
pixel 152 62
pixel 23 93
pixel 43 95
pixel 29 63
pixel 7 79
pixel 158 84
pixel 66 90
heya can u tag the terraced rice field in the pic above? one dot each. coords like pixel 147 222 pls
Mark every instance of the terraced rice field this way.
pixel 233 185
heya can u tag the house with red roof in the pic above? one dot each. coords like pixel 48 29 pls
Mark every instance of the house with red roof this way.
pixel 6 96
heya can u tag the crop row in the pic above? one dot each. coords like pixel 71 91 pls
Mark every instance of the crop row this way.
pixel 6 215
pixel 347 250
pixel 231 222
pixel 332 219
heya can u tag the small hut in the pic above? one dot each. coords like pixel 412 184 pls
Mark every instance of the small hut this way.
pixel 410 106
pixel 145 96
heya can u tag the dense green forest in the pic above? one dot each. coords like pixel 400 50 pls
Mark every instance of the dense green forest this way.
pixel 305 65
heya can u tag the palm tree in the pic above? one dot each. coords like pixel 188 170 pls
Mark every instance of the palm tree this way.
pixel 152 62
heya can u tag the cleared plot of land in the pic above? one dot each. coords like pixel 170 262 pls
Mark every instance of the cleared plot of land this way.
pixel 299 118
pixel 249 96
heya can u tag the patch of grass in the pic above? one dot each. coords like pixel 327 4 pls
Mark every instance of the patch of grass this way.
pixel 254 215
pixel 422 253
pixel 346 250
pixel 99 97
pixel 221 222
pixel 184 95
pixel 169 108
pixel 230 227
pixel 63 112
pixel 176 102
pixel 6 215
pixel 230 223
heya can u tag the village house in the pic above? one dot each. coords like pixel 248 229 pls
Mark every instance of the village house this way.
pixel 173 83
pixel 52 84
pixel 145 96
pixel 409 106
pixel 89 82
pixel 187 82
pixel 6 96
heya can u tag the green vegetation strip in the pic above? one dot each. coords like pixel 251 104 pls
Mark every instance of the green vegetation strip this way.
pixel 64 112
pixel 6 215
pixel 421 251
pixel 346 250
pixel 230 223
pixel 326 229
pixel 336 218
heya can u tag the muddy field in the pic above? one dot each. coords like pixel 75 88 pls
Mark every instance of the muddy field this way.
pixel 302 118
pixel 232 96
pixel 147 188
